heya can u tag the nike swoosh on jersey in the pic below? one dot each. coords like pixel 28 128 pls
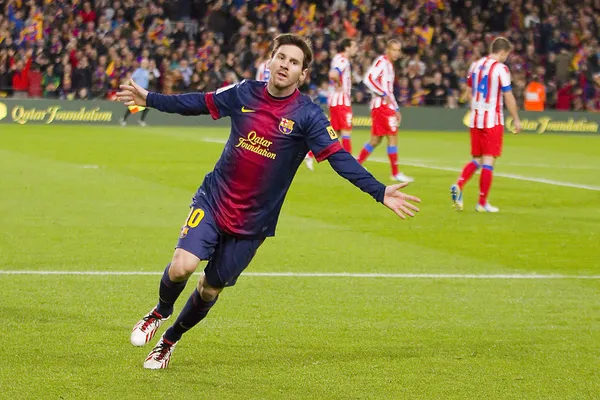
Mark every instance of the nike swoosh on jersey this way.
pixel 247 110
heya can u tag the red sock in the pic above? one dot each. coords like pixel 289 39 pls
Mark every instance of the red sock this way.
pixel 364 153
pixel 485 183
pixel 467 173
pixel 394 163
pixel 347 143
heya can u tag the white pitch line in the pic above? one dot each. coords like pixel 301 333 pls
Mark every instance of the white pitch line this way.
pixel 320 275
pixel 511 176
pixel 214 140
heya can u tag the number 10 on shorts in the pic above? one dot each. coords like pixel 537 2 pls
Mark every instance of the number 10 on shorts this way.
pixel 192 221
pixel 195 217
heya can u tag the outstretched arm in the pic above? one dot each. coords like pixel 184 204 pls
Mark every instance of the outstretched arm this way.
pixel 184 104
pixel 347 167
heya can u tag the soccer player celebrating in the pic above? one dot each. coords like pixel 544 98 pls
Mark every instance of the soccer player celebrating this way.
pixel 237 206
pixel 385 112
pixel 340 75
pixel 489 80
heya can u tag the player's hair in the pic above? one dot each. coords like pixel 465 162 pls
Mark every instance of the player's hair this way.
pixel 499 44
pixel 392 42
pixel 344 44
pixel 294 40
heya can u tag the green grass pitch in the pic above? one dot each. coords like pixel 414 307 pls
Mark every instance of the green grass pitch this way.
pixel 87 198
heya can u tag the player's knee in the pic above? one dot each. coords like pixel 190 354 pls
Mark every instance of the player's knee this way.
pixel 183 265
pixel 375 140
pixel 207 292
pixel 488 160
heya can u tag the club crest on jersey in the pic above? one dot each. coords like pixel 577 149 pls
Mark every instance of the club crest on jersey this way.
pixel 286 126
pixel 184 232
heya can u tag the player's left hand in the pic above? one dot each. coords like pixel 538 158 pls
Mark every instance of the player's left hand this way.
pixel 132 94
pixel 399 202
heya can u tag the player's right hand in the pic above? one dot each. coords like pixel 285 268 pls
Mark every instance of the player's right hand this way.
pixel 132 94
pixel 517 126
pixel 399 202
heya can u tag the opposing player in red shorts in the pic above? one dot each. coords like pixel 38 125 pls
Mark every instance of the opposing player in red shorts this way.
pixel 385 112
pixel 489 79
pixel 340 108
pixel 339 101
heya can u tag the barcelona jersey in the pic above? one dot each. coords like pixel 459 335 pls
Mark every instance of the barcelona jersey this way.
pixel 269 139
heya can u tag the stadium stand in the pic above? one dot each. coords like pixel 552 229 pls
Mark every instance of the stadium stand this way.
pixel 85 49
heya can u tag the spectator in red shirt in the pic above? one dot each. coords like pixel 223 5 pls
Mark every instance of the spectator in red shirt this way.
pixel 87 13
pixel 565 96
pixel 20 80
pixel 34 88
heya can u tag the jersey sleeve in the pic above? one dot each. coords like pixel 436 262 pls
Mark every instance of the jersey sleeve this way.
pixel 218 104
pixel 470 75
pixel 319 136
pixel 340 65
pixel 371 78
pixel 223 101
pixel 505 79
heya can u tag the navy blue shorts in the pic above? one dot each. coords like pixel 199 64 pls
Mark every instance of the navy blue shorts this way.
pixel 227 255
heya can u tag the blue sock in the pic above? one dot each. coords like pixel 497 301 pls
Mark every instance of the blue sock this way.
pixel 194 311
pixel 168 292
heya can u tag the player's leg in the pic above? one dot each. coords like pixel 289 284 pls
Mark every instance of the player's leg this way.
pixel 368 148
pixel 194 311
pixel 197 241
pixel 346 136
pixel 485 184
pixel 492 148
pixel 377 132
pixel 476 151
pixel 229 259
pixel 392 150
pixel 345 129
pixel 197 307
pixel 171 285
pixel 456 190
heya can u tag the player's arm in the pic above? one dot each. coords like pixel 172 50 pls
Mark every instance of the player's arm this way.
pixel 335 75
pixel 470 83
pixel 509 98
pixel 370 80
pixel 347 167
pixel 184 104
pixel 511 105
pixel 322 140
pixel 217 104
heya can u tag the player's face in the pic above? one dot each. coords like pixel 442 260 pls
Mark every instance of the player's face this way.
pixel 353 49
pixel 394 51
pixel 286 67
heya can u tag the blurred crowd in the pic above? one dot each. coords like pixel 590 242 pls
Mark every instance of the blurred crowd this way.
pixel 76 49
